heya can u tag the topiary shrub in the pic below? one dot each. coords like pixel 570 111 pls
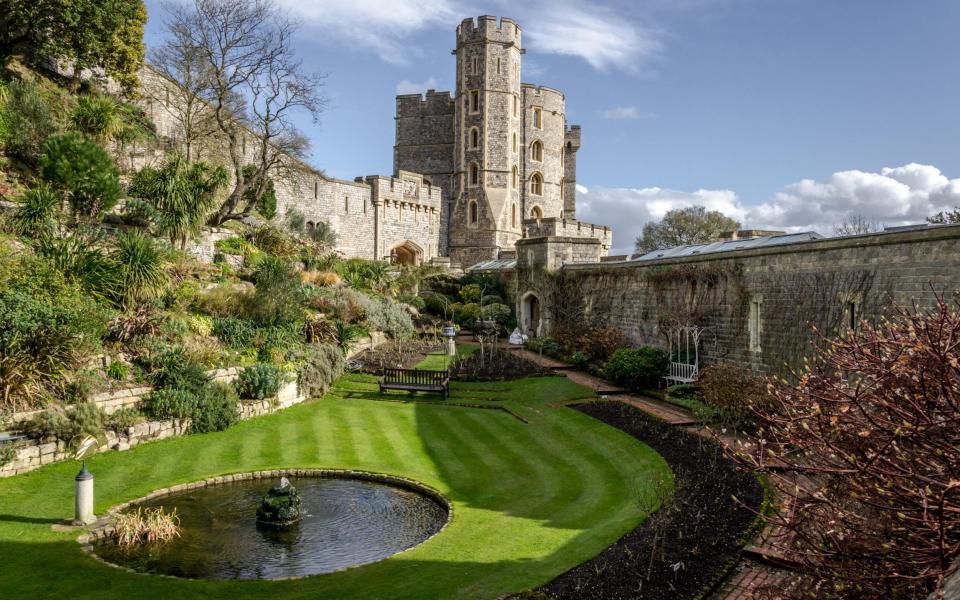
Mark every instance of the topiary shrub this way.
pixel 218 408
pixel 171 404
pixel 322 366
pixel 637 368
pixel 259 381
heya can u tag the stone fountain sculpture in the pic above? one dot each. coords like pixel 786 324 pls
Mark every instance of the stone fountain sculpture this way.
pixel 281 506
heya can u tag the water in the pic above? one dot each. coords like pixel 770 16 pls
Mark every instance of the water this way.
pixel 345 522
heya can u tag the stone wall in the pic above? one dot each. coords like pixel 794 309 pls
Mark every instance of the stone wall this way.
pixel 349 207
pixel 757 306
pixel 490 126
pixel 571 228
pixel 33 454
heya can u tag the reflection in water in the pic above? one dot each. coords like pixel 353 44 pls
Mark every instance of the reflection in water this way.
pixel 345 522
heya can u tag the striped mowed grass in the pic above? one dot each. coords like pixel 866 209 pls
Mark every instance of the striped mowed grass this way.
pixel 531 499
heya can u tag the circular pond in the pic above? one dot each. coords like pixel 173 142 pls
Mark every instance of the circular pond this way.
pixel 346 522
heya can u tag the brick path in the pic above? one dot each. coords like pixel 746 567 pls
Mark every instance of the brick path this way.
pixel 752 580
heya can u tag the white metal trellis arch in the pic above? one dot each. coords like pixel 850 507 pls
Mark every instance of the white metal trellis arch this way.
pixel 684 349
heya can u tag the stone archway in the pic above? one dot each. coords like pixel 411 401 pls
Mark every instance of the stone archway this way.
pixel 407 253
pixel 530 315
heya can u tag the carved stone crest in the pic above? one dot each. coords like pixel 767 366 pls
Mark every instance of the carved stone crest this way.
pixel 411 188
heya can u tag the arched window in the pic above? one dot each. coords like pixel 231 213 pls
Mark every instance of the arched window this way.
pixel 536 184
pixel 513 216
pixel 475 101
pixel 514 141
pixel 516 104
pixel 473 216
pixel 536 212
pixel 474 138
pixel 474 174
pixel 538 117
pixel 346 204
pixel 515 180
pixel 536 151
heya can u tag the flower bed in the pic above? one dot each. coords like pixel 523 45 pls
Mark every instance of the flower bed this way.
pixel 688 545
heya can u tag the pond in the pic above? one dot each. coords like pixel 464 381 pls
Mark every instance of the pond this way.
pixel 346 522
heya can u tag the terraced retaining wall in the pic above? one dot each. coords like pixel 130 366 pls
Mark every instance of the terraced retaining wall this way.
pixel 33 454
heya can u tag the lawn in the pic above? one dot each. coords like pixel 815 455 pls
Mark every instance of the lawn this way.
pixel 530 499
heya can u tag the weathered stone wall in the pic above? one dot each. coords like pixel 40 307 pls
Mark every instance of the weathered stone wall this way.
pixel 758 305
pixel 350 207
pixel 425 144
pixel 446 137
pixel 557 227
pixel 33 454
pixel 571 146
pixel 551 133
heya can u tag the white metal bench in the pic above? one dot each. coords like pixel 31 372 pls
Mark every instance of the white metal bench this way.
pixel 682 373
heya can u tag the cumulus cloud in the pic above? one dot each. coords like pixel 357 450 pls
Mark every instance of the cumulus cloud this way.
pixel 412 87
pixel 895 196
pixel 599 35
pixel 625 113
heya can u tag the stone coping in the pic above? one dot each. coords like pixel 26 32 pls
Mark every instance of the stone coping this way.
pixel 105 525
pixel 869 240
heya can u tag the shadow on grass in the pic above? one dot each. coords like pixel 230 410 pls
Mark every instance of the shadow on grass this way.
pixel 31 520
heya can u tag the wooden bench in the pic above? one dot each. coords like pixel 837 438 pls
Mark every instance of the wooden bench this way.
pixel 682 373
pixel 416 380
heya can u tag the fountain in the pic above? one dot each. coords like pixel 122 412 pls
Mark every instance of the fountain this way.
pixel 315 522
pixel 280 507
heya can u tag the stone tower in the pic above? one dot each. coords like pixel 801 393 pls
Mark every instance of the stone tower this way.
pixel 486 213
pixel 500 150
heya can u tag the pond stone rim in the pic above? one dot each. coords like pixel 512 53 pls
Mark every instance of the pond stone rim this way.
pixel 105 525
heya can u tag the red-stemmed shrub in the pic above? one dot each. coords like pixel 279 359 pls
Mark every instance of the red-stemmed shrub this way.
pixel 865 450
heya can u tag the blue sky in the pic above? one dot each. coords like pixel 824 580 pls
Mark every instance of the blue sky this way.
pixel 792 114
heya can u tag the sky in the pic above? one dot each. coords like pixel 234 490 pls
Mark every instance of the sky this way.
pixel 793 115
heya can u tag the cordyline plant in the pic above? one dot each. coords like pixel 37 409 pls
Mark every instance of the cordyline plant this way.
pixel 864 450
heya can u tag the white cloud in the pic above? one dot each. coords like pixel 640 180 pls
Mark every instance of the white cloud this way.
pixel 412 87
pixel 382 26
pixel 625 112
pixel 894 196
pixel 603 37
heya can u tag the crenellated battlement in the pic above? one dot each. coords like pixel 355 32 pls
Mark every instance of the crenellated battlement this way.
pixel 488 29
pixel 433 103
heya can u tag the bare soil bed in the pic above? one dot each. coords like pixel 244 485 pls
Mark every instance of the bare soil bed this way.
pixel 684 547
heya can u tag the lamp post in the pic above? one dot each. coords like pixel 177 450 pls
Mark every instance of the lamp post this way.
pixel 83 503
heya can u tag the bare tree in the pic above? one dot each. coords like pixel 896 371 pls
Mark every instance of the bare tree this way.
pixel 856 225
pixel 183 65
pixel 253 84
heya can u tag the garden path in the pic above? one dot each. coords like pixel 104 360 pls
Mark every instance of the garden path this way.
pixel 758 574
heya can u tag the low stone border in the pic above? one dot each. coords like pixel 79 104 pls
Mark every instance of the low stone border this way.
pixel 105 527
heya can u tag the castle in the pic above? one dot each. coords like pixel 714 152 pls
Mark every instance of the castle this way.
pixel 473 172
pixel 500 150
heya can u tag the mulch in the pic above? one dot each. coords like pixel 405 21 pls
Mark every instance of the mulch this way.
pixel 687 545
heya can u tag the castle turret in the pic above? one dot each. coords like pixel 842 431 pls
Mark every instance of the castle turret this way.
pixel 487 211
pixel 570 147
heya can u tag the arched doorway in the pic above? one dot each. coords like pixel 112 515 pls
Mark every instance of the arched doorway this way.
pixel 407 253
pixel 530 320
